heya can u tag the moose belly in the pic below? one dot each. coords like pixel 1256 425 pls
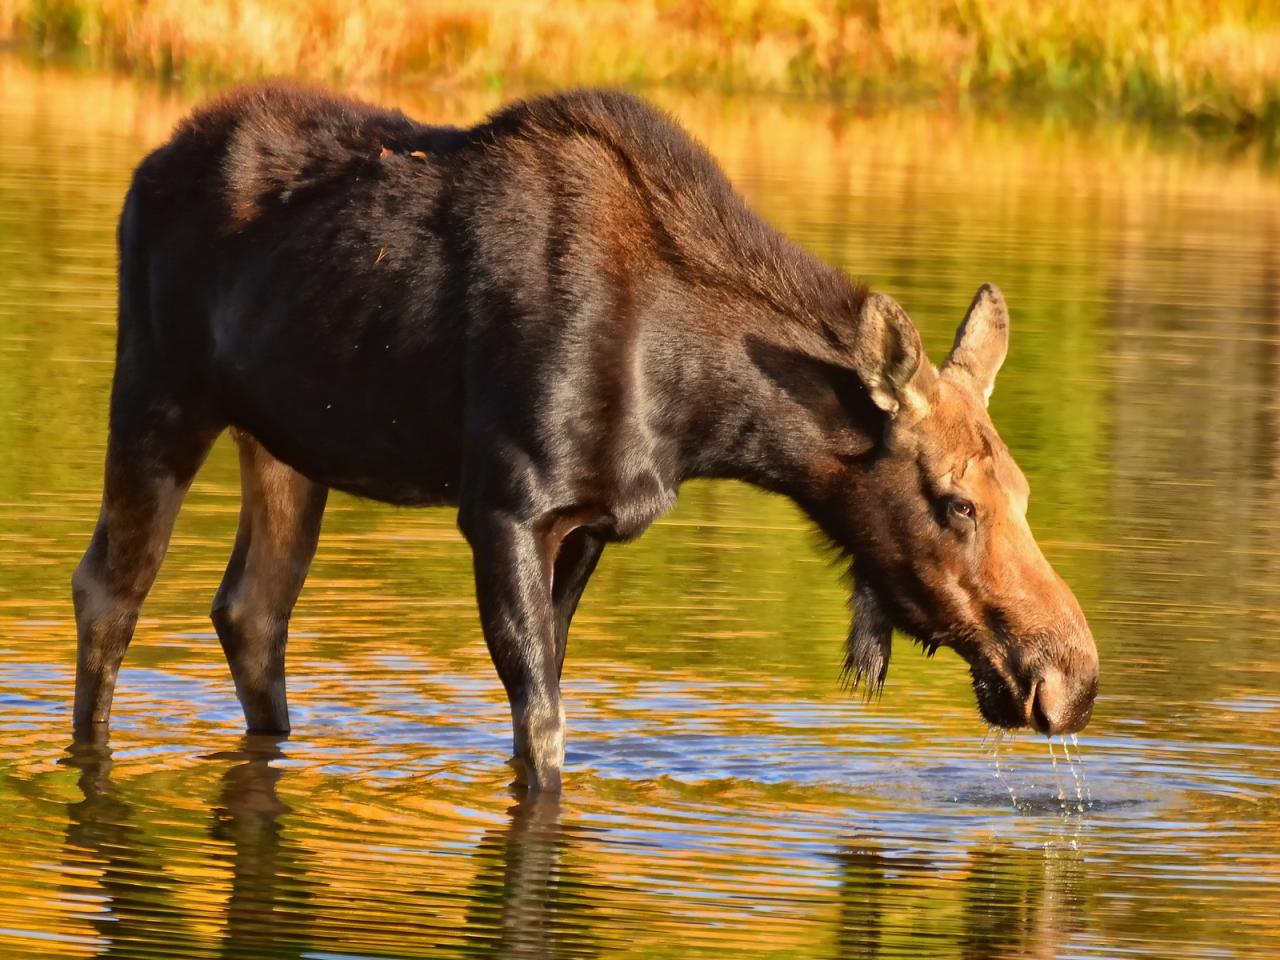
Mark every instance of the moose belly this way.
pixel 383 429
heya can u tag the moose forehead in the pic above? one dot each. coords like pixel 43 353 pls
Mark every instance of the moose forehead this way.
pixel 960 451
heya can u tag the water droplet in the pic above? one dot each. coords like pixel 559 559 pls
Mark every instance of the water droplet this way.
pixel 1084 796
pixel 995 756
pixel 1057 773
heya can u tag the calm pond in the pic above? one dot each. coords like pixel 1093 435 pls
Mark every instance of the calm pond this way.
pixel 724 796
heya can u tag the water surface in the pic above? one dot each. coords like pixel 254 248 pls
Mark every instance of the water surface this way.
pixel 724 797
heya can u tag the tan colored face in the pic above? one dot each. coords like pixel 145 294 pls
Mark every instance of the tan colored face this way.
pixel 948 556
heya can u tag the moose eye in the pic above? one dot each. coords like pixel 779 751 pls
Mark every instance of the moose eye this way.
pixel 960 509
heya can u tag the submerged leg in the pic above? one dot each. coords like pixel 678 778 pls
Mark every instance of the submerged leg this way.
pixel 280 515
pixel 513 589
pixel 148 471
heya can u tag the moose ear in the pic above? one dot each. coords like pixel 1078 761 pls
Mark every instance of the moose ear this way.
pixel 981 342
pixel 890 359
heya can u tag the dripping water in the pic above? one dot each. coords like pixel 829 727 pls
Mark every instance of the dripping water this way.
pixel 1057 773
pixel 1084 796
pixel 997 743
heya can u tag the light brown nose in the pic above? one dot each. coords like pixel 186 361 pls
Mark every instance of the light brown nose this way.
pixel 1059 705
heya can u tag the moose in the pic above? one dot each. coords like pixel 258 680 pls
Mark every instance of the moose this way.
pixel 549 320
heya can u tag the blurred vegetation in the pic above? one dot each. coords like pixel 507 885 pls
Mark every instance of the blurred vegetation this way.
pixel 1211 62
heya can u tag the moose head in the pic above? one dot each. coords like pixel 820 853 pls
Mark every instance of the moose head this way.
pixel 938 531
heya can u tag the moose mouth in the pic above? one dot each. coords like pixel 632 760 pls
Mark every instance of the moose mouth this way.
pixel 1002 700
pixel 1010 694
pixel 1015 679
pixel 1048 699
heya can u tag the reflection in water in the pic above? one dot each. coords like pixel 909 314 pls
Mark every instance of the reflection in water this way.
pixel 266 912
pixel 1021 903
pixel 139 904
pixel 525 900
pixel 864 889
pixel 1014 903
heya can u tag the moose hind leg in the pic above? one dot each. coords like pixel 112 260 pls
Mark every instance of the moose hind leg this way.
pixel 280 516
pixel 147 474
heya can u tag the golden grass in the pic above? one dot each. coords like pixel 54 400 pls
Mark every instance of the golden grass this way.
pixel 1207 60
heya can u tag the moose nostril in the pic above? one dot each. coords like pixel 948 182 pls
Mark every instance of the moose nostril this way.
pixel 1048 703
pixel 1038 717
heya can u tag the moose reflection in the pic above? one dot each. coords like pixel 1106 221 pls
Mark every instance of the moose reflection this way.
pixel 267 912
pixel 1010 902
pixel 526 901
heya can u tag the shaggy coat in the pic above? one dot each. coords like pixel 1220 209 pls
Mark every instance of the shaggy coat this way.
pixel 550 320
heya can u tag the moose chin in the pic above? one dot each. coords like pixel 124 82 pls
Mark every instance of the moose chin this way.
pixel 550 320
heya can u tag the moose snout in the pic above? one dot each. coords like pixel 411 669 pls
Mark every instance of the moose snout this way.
pixel 1062 702
pixel 1059 677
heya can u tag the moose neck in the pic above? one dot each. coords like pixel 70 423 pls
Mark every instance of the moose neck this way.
pixel 775 407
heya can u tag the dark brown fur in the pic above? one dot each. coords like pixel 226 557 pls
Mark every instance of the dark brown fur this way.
pixel 551 320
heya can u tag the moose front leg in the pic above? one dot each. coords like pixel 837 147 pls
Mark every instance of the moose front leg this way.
pixel 576 559
pixel 513 587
